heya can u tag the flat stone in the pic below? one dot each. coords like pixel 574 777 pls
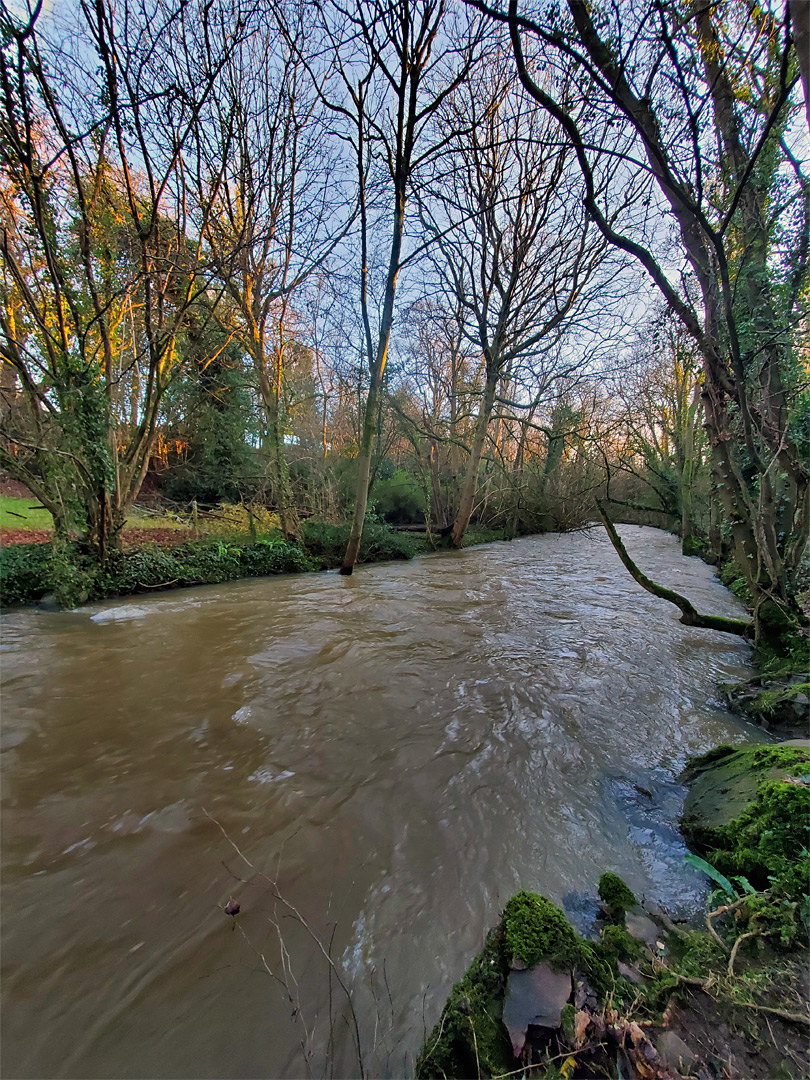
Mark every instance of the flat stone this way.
pixel 676 1053
pixel 641 927
pixel 535 996
pixel 631 972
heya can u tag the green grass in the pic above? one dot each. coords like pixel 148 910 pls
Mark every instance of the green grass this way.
pixel 16 513
pixel 136 519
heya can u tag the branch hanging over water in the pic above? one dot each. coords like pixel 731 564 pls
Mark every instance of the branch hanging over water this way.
pixel 689 616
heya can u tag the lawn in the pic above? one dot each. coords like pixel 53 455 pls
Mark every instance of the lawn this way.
pixel 27 513
pixel 23 513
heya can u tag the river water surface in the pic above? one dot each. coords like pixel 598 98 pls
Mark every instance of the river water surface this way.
pixel 398 751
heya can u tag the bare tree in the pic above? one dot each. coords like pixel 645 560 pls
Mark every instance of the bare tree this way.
pixel 397 60
pixel 279 213
pixel 516 252
pixel 701 100
pixel 660 396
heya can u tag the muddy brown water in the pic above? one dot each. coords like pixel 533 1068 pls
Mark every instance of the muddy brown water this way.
pixel 398 751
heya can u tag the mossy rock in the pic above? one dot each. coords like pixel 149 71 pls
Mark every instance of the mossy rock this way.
pixel 470 1038
pixel 535 930
pixel 781 703
pixel 748 811
pixel 724 783
pixel 617 897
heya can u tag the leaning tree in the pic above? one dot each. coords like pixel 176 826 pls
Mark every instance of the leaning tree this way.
pixel 704 102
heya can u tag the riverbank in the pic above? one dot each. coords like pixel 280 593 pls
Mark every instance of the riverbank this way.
pixel 648 996
pixel 643 996
pixel 391 748
pixel 40 573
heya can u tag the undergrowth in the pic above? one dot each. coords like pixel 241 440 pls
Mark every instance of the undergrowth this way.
pixel 68 572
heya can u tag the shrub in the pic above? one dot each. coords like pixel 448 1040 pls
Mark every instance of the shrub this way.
pixel 327 543
pixel 24 573
pixel 399 499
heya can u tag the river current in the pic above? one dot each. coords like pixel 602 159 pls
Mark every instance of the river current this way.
pixel 370 766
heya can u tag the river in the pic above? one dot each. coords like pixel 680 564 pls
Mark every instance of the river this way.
pixel 395 754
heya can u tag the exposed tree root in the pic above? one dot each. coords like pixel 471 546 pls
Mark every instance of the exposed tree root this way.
pixel 707 986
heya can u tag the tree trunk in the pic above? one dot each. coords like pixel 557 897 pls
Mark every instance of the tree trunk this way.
pixel 363 474
pixel 468 489
pixel 439 509
pixel 687 475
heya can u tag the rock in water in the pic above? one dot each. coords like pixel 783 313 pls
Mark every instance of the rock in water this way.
pixel 535 996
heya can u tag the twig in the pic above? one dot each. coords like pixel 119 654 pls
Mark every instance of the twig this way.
pixel 714 933
pixel 297 915
pixel 475 1047
pixel 668 924
pixel 331 1021
pixel 737 943
pixel 438 1037
pixel 791 1017
pixel 548 1061
pixel 724 910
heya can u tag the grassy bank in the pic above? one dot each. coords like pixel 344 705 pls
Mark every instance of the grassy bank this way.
pixel 69 576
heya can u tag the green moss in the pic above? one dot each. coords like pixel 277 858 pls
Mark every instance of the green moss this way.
pixel 695 764
pixel 734 580
pixel 619 943
pixel 617 897
pixel 537 930
pixel 796 759
pixel 568 1022
pixel 765 843
pixel 469 1039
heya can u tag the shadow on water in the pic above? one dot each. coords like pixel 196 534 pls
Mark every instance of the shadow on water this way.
pixel 399 751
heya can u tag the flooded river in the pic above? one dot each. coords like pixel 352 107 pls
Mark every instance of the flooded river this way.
pixel 393 754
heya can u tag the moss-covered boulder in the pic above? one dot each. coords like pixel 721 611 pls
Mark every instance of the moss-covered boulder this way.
pixel 748 812
pixel 780 703
pixel 617 897
pixel 471 1038
pixel 724 784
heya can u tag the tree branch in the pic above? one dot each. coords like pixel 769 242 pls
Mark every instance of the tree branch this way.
pixel 689 616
